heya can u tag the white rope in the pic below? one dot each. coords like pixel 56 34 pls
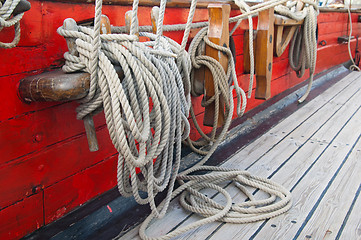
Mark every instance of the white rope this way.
pixel 221 88
pixel 7 20
pixel 353 67
pixel 149 80
pixel 146 114
pixel 303 47
pixel 245 8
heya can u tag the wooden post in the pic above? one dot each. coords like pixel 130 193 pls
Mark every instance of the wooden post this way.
pixel 154 15
pixel 284 30
pixel 246 56
pixel 128 21
pixel 70 24
pixel 218 33
pixel 264 53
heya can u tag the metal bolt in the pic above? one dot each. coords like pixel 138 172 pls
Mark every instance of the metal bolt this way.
pixel 38 137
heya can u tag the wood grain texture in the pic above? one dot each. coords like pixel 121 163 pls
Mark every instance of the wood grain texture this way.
pixel 352 228
pixel 218 33
pixel 264 53
pixel 267 162
pixel 170 3
pixel 54 86
pixel 332 209
pixel 286 152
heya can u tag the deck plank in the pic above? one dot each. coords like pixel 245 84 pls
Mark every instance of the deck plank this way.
pixel 278 153
pixel 290 138
pixel 328 215
pixel 351 227
pixel 289 174
pixel 334 95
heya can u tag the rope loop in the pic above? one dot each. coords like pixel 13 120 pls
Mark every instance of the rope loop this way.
pixel 8 19
pixel 147 113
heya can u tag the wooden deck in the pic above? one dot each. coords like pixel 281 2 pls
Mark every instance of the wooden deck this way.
pixel 316 154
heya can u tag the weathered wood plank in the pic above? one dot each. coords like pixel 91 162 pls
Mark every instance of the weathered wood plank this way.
pixel 292 170
pixel 352 228
pixel 308 191
pixel 259 167
pixel 329 214
pixel 28 175
pixel 63 196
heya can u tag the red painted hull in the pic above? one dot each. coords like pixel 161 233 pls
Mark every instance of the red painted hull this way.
pixel 46 169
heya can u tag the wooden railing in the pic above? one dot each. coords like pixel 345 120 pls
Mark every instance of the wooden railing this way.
pixel 170 3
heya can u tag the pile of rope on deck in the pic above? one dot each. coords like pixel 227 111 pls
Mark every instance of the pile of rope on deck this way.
pixel 11 12
pixel 147 116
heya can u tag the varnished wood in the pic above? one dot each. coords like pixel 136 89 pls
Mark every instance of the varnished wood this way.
pixel 154 15
pixel 151 3
pixel 105 27
pixel 246 56
pixel 218 33
pixel 128 22
pixel 88 120
pixel 284 29
pixel 59 86
pixel 54 86
pixel 264 53
pixel 285 21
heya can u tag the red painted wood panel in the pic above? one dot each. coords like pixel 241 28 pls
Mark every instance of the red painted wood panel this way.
pixel 53 164
pixel 63 196
pixel 22 217
pixel 40 129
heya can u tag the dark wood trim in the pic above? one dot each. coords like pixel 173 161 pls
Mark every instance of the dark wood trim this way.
pixel 341 10
pixel 151 3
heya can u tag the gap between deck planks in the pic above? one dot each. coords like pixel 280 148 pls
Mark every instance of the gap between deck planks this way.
pixel 301 145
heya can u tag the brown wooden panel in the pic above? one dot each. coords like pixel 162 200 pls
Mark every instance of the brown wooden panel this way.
pixel 170 3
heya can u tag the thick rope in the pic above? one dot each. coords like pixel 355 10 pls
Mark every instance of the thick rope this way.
pixel 353 67
pixel 303 47
pixel 7 20
pixel 146 114
pixel 139 132
pixel 191 185
pixel 221 88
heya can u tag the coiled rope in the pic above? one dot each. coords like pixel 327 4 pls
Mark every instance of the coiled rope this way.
pixel 7 19
pixel 353 67
pixel 146 114
pixel 140 133
pixel 303 47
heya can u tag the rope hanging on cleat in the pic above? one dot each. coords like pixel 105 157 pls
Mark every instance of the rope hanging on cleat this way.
pixel 11 12
pixel 303 47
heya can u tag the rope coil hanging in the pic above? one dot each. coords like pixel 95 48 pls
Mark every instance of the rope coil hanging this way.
pixel 146 113
pixel 139 132
pixel 303 47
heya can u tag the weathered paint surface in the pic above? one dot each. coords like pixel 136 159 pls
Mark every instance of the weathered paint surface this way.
pixel 46 169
